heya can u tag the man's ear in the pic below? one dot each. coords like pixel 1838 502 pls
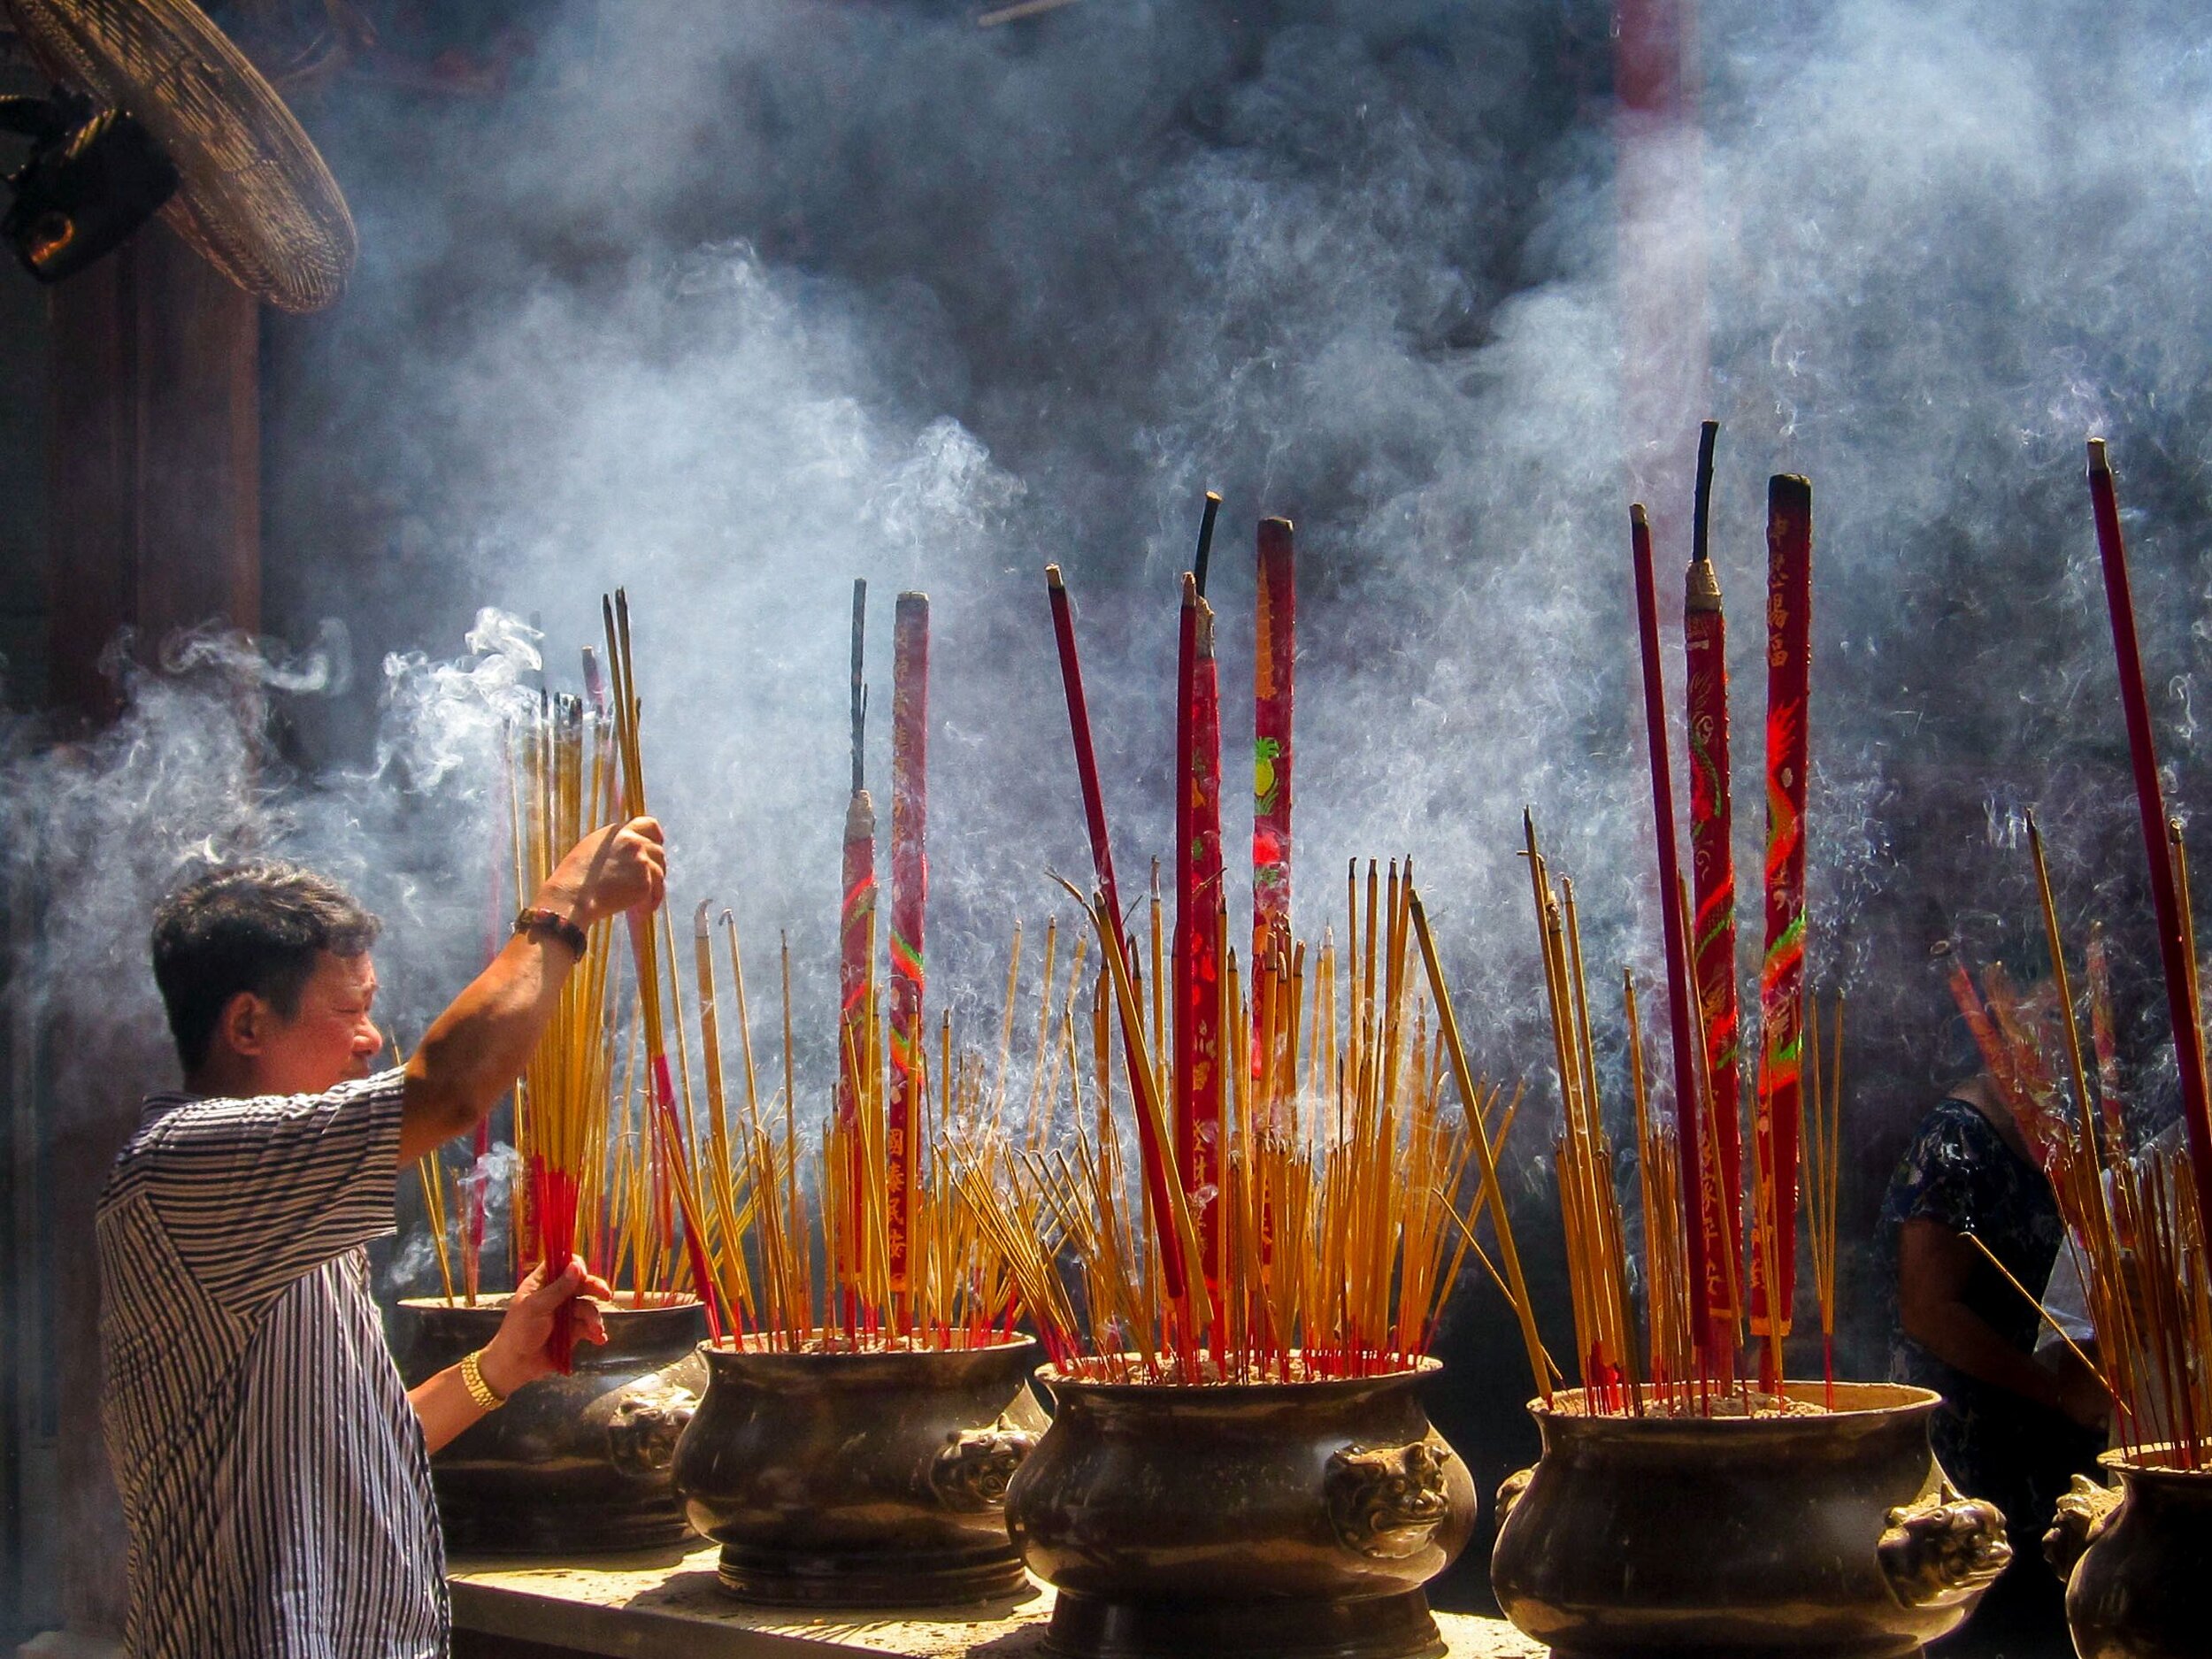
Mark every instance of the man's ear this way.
pixel 244 1024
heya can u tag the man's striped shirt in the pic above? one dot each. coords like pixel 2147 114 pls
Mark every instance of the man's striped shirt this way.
pixel 273 1475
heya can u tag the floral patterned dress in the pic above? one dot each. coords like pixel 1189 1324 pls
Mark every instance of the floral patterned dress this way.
pixel 1961 1173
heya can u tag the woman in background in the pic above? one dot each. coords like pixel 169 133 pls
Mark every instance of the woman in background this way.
pixel 2010 1429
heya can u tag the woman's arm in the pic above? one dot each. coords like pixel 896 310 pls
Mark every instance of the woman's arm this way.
pixel 516 1356
pixel 1933 1266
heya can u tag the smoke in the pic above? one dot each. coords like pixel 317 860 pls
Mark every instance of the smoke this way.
pixel 731 305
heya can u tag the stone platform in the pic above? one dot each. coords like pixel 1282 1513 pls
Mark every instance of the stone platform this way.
pixel 667 1604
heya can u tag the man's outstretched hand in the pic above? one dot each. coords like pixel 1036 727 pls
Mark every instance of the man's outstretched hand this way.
pixel 620 867
pixel 518 1354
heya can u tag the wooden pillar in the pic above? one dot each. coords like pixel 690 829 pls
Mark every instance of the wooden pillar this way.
pixel 155 521
pixel 155 498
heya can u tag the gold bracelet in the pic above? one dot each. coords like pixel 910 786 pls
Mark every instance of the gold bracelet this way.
pixel 487 1398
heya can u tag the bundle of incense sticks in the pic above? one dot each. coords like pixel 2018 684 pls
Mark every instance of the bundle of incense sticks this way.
pixel 801 1232
pixel 2135 1228
pixel 1700 939
pixel 1657 1365
pixel 1290 1216
pixel 1155 1143
pixel 848 1239
pixel 2161 840
pixel 2136 1220
pixel 1347 1201
pixel 563 788
pixel 670 1133
pixel 595 1182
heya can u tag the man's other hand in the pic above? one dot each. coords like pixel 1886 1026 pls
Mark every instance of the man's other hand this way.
pixel 518 1354
pixel 620 867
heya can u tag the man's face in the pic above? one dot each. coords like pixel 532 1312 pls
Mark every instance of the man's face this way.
pixel 327 1042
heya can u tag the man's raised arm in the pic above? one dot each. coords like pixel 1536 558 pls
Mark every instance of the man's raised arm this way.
pixel 474 1051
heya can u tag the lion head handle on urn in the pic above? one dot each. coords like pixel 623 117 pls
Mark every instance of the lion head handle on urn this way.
pixel 1944 1549
pixel 973 1468
pixel 1388 1502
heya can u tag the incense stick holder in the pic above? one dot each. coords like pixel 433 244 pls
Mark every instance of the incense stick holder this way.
pixel 1295 1520
pixel 1832 1535
pixel 2133 1556
pixel 861 1479
pixel 574 1465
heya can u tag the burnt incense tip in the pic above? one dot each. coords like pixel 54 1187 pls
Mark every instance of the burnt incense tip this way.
pixel 1053 578
pixel 2099 462
pixel 1702 504
pixel 913 599
pixel 1787 490
pixel 699 919
pixel 1638 517
pixel 1205 539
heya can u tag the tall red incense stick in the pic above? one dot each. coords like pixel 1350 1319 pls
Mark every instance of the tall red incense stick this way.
pixel 1712 854
pixel 1198 873
pixel 1273 668
pixel 856 937
pixel 1700 1207
pixel 2176 950
pixel 1780 1108
pixel 909 897
pixel 1150 1152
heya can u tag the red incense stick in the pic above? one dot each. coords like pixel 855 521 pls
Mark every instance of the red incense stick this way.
pixel 1706 1236
pixel 1712 827
pixel 855 936
pixel 1273 668
pixel 909 897
pixel 1198 873
pixel 2176 950
pixel 1780 1107
pixel 1150 1153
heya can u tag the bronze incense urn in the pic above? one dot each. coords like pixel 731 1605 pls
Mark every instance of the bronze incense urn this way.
pixel 2134 1556
pixel 1820 1533
pixel 1293 1520
pixel 574 1464
pixel 873 1478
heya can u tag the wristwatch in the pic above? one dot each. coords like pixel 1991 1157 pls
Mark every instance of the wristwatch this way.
pixel 535 920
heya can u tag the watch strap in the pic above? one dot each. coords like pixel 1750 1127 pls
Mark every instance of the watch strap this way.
pixel 536 920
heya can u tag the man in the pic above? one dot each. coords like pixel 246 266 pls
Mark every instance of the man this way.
pixel 276 1474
